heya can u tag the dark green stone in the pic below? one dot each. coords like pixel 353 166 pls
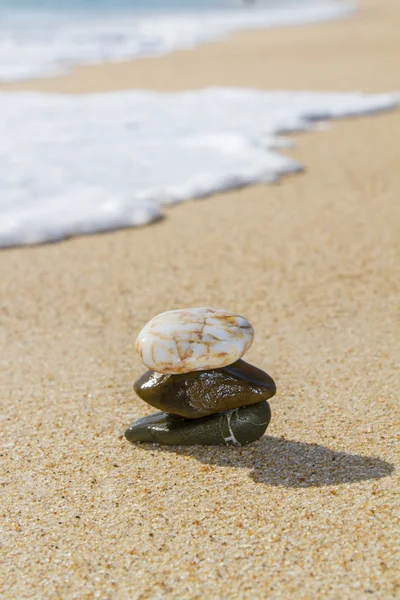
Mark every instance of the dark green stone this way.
pixel 236 427
pixel 201 393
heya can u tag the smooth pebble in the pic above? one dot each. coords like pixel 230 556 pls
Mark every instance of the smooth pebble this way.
pixel 193 339
pixel 237 427
pixel 202 393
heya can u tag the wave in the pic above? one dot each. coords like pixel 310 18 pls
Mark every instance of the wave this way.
pixel 72 165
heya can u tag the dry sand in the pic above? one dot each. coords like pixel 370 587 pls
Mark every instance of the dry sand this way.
pixel 309 511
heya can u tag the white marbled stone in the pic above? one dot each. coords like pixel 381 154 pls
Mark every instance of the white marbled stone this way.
pixel 193 339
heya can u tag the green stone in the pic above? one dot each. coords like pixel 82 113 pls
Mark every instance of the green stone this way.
pixel 236 427
pixel 202 393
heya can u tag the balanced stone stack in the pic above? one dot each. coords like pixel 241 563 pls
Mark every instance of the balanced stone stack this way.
pixel 206 393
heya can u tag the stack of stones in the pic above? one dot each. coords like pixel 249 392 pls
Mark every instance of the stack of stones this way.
pixel 206 393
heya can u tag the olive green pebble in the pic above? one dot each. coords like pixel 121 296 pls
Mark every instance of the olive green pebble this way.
pixel 237 427
pixel 201 393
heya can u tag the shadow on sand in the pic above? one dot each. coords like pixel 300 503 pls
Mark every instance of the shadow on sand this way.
pixel 280 462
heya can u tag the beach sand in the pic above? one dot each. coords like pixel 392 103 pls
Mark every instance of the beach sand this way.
pixel 310 511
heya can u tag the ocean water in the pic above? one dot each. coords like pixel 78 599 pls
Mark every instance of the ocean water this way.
pixel 40 38
pixel 71 165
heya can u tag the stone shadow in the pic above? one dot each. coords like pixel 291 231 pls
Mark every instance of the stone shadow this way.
pixel 279 462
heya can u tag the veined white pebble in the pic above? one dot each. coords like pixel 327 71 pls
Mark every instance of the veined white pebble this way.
pixel 193 339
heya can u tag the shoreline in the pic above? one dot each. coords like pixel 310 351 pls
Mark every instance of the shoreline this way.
pixel 184 33
pixel 190 145
pixel 230 62
pixel 309 511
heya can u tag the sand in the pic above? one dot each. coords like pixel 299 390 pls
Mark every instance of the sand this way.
pixel 311 510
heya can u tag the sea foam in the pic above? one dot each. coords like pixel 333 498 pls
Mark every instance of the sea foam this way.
pixel 73 165
pixel 41 43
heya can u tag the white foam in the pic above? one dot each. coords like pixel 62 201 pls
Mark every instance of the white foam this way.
pixel 39 44
pixel 81 164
